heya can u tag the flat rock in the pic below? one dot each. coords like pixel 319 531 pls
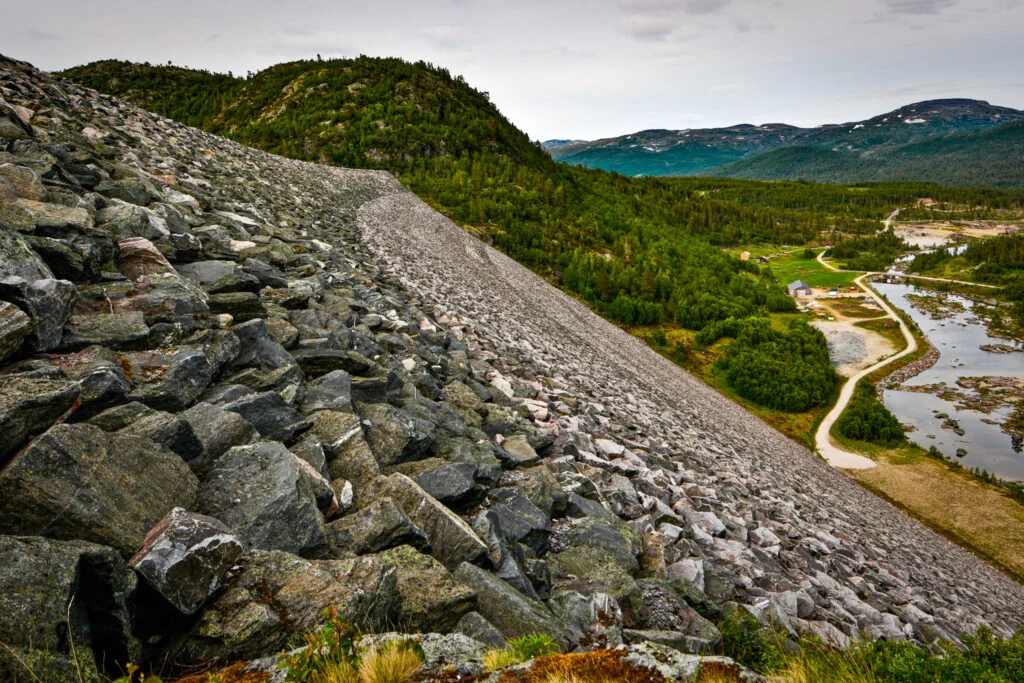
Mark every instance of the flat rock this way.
pixel 170 379
pixel 217 430
pixel 332 391
pixel 120 331
pixel 395 435
pixel 259 492
pixel 79 482
pixel 185 558
pixel 316 362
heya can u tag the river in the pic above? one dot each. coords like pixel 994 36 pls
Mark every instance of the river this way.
pixel 935 419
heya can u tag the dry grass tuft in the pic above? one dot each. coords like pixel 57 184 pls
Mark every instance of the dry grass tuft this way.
pixel 393 663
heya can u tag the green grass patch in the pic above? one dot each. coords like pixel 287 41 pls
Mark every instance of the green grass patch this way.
pixel 794 266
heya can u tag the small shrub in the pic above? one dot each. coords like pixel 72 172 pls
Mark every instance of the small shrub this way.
pixel 332 648
pixel 501 658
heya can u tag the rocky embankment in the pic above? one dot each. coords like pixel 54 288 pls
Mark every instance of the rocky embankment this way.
pixel 236 390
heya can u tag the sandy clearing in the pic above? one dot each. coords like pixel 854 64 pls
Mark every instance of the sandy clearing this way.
pixel 876 346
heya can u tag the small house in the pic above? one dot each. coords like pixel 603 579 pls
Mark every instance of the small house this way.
pixel 745 256
pixel 799 288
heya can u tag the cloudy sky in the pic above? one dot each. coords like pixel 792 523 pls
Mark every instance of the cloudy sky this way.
pixel 583 69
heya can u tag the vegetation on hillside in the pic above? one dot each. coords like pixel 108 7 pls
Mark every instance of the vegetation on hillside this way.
pixel 867 419
pixel 868 253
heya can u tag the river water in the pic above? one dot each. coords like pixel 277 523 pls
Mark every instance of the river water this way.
pixel 958 339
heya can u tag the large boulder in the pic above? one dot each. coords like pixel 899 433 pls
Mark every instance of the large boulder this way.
pixel 19 259
pixel 29 406
pixel 432 600
pixel 452 540
pixel 64 610
pixel 510 611
pixel 348 455
pixel 49 303
pixel 120 331
pixel 263 494
pixel 279 597
pixel 79 482
pixel 185 558
pixel 379 526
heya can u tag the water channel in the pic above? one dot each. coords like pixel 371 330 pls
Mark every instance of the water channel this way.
pixel 958 339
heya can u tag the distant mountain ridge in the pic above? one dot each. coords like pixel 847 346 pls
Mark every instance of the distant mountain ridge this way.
pixel 913 142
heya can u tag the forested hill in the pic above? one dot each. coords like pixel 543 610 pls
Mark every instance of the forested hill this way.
pixel 637 250
pixel 361 113
pixel 953 141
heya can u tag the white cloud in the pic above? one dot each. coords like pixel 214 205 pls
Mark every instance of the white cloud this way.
pixel 647 27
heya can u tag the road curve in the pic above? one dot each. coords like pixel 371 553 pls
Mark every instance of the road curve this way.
pixel 837 457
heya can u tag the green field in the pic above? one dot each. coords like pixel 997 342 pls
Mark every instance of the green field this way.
pixel 795 267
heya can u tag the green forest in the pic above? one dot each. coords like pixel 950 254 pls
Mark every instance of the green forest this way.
pixel 639 251
pixel 867 419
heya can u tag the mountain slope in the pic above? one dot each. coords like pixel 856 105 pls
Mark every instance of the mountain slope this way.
pixel 987 158
pixel 848 152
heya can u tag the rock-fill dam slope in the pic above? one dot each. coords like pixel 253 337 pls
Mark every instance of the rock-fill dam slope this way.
pixel 237 389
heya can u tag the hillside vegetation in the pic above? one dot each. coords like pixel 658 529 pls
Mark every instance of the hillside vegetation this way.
pixel 639 251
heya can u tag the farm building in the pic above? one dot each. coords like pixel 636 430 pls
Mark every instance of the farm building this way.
pixel 799 288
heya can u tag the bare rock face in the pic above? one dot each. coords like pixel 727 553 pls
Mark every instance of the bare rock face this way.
pixel 78 482
pixel 185 558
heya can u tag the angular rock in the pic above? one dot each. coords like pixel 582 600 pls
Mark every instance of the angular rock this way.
pixel 516 451
pixel 218 277
pixel 15 327
pixel 510 611
pixel 432 600
pixel 185 557
pixel 168 379
pixel 171 431
pixel 260 493
pixel 452 541
pixel 18 259
pixel 140 259
pixel 394 435
pixel 479 629
pixel 217 430
pixel 29 406
pixel 332 391
pixel 132 190
pixel 593 620
pixel 279 596
pixel 377 527
pixel 24 181
pixel 348 455
pixel 49 303
pixel 666 611
pixel 78 482
pixel 64 606
pixel 521 520
pixel 454 484
pixel 274 419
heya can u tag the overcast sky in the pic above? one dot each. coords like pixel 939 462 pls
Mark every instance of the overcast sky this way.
pixel 575 69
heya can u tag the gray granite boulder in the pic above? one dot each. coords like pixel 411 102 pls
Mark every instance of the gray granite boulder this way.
pixel 185 558
pixel 29 406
